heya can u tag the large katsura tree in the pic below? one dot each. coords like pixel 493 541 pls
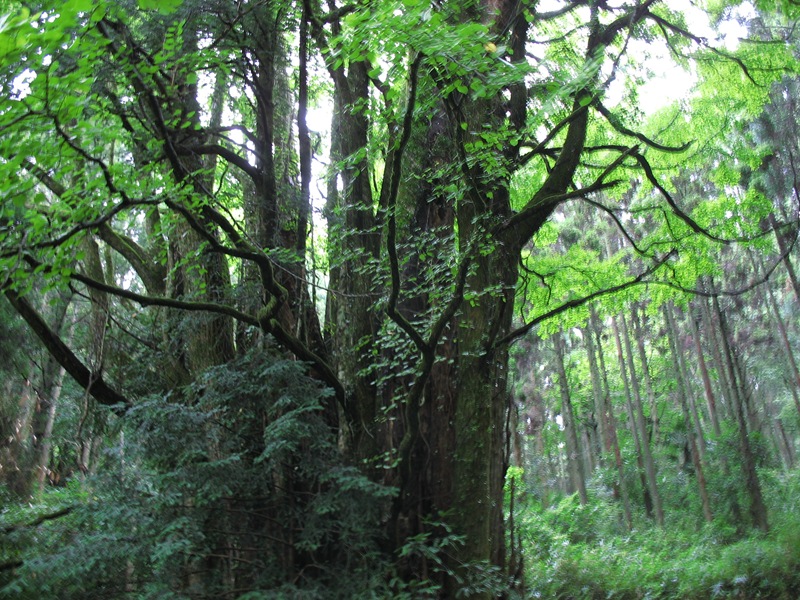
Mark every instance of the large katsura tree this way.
pixel 174 134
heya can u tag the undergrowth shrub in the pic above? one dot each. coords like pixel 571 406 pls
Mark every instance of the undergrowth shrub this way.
pixel 233 487
pixel 581 552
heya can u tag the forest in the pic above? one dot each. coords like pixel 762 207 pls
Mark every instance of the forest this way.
pixel 399 299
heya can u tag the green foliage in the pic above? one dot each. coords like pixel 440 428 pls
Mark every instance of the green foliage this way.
pixel 163 6
pixel 583 552
pixel 178 493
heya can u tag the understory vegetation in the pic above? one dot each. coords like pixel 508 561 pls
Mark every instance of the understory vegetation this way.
pixel 399 299
pixel 576 552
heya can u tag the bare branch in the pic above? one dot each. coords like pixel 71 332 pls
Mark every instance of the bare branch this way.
pixel 38 520
pixel 92 382
pixel 223 152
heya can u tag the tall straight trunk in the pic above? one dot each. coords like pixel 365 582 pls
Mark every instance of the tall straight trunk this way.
pixel 641 426
pixel 52 377
pixel 639 335
pixel 632 424
pixel 351 320
pixel 45 443
pixel 607 415
pixel 714 333
pixel 786 255
pixel 774 431
pixel 781 326
pixel 711 401
pixel 534 427
pixel 786 445
pixel 599 420
pixel 587 456
pixel 758 510
pixel 574 463
pixel 691 425
pixel 683 377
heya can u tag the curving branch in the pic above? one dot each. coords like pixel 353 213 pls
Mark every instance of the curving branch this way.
pixel 92 382
pixel 391 233
pixel 575 302
pixel 222 152
pixel 546 203
pixel 263 320
pixel 618 126
pixel 151 273
pixel 622 229
pixel 665 25
pixel 683 216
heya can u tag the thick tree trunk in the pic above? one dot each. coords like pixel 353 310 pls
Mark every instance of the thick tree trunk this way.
pixel 351 319
pixel 481 405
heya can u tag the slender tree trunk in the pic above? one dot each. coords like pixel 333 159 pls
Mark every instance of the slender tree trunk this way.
pixel 758 510
pixel 786 254
pixel 781 325
pixel 574 463
pixel 48 393
pixel 639 334
pixel 53 391
pixel 632 424
pixel 683 375
pixel 690 425
pixel 597 395
pixel 607 415
pixel 708 390
pixel 641 425
pixel 775 432
pixel 713 328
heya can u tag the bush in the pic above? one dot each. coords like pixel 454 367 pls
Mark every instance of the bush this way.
pixel 572 552
pixel 235 483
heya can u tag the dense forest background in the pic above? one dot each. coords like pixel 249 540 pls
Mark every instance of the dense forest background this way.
pixel 399 299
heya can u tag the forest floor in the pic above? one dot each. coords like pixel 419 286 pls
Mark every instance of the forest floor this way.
pixel 586 552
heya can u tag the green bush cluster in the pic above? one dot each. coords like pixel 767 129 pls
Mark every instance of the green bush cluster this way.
pixel 584 552
pixel 233 487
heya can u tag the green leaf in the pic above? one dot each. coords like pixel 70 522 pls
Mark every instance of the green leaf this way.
pixel 76 6
pixel 165 7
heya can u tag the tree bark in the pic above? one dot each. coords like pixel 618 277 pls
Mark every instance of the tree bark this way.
pixel 690 425
pixel 711 402
pixel 758 509
pixel 641 425
pixel 611 421
pixel 638 333
pixel 574 464
pixel 598 419
pixel 632 424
